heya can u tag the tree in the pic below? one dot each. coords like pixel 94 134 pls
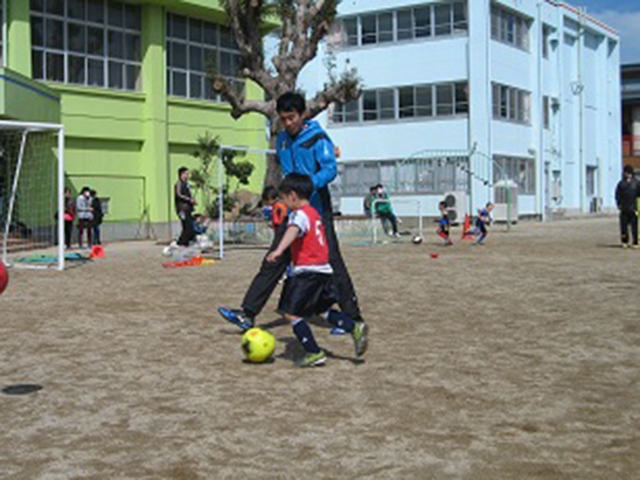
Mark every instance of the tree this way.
pixel 302 26
pixel 202 177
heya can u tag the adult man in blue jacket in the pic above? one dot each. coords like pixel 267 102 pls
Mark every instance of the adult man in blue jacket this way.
pixel 303 147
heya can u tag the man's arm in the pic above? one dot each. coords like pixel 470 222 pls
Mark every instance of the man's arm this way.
pixel 618 195
pixel 288 238
pixel 327 164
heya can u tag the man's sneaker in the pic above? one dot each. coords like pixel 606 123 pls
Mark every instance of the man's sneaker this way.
pixel 237 317
pixel 313 359
pixel 359 334
pixel 635 246
pixel 624 245
pixel 337 331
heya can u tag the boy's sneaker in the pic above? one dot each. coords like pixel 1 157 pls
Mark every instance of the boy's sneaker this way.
pixel 237 317
pixel 313 360
pixel 359 334
pixel 624 245
pixel 635 246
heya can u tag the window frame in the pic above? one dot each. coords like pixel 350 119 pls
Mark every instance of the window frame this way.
pixel 511 104
pixel 370 105
pixel 427 177
pixel 510 27
pixel 457 23
pixel 215 44
pixel 115 70
pixel 509 167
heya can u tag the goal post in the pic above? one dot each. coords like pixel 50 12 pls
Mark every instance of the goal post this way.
pixel 410 216
pixel 221 179
pixel 32 194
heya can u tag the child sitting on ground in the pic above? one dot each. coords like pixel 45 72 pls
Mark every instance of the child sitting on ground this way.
pixel 309 290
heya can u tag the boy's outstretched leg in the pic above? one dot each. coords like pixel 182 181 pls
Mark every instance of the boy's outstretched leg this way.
pixel 358 330
pixel 315 356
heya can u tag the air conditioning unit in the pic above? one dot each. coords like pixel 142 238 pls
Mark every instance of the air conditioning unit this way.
pixel 456 206
pixel 505 194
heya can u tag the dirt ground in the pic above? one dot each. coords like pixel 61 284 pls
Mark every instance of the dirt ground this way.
pixel 520 359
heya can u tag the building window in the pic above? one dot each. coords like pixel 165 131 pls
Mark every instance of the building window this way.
pixel 411 23
pixel 193 47
pixel 546 113
pixel 511 104
pixel 591 181
pixel 94 43
pixel 510 27
pixel 521 171
pixel 546 35
pixel 419 176
pixel 441 100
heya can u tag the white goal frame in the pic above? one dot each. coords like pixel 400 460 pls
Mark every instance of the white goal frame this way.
pixel 221 177
pixel 394 201
pixel 25 128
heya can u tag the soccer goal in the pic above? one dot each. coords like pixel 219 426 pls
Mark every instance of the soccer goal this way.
pixel 235 229
pixel 408 213
pixel 32 194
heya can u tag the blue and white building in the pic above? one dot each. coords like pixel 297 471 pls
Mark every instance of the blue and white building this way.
pixel 526 91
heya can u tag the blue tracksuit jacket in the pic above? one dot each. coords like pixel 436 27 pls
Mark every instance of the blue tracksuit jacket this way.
pixel 312 153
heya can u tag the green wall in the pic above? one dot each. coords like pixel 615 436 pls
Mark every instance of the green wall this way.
pixel 127 145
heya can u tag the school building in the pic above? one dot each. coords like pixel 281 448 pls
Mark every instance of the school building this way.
pixel 127 80
pixel 474 98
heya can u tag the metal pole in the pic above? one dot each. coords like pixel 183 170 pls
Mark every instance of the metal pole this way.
pixel 220 203
pixel 61 205
pixel 12 199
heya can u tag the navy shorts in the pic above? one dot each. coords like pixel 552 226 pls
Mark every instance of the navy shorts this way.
pixel 308 293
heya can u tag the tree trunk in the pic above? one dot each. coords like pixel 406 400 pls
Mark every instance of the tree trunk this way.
pixel 274 172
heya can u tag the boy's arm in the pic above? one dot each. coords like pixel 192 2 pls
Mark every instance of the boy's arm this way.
pixel 288 238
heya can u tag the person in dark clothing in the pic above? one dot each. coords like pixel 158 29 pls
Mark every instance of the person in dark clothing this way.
pixel 627 193
pixel 184 202
pixel 69 216
pixel 96 204
pixel 303 147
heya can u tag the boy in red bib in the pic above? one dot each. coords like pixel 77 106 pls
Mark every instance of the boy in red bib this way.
pixel 309 290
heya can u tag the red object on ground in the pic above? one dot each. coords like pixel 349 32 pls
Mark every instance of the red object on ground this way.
pixel 97 251
pixel 434 255
pixel 466 229
pixel 4 277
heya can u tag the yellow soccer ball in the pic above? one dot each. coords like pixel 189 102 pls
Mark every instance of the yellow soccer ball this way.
pixel 258 345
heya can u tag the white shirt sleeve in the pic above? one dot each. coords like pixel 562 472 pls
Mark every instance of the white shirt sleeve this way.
pixel 300 220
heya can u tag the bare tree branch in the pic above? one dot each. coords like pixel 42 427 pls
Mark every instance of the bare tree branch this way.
pixel 347 88
pixel 239 104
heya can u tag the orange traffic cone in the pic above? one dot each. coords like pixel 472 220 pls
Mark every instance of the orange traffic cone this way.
pixel 97 251
pixel 466 229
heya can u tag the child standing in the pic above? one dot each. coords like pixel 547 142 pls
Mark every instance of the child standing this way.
pixel 310 290
pixel 444 224
pixel 484 219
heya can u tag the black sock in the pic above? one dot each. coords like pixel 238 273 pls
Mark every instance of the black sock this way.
pixel 340 320
pixel 305 336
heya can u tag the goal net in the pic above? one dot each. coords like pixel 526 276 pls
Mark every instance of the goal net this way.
pixel 233 215
pixel 31 195
pixel 406 213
